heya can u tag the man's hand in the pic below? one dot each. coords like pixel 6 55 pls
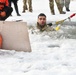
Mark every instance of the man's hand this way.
pixel 3 14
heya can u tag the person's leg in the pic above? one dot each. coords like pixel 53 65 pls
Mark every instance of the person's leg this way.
pixel 10 5
pixel 8 13
pixel 60 8
pixel 24 5
pixel 30 5
pixel 16 8
pixel 62 3
pixel 67 3
pixel 51 4
pixel 9 2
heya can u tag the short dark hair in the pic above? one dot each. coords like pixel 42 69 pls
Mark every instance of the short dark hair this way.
pixel 41 14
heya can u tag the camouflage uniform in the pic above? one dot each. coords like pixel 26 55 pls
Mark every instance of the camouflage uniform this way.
pixel 51 3
pixel 65 3
pixel 25 5
pixel 40 29
pixel 44 28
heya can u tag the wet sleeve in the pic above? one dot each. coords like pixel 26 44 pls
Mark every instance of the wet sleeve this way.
pixel 49 24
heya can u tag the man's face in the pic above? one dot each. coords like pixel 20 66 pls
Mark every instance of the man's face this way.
pixel 42 20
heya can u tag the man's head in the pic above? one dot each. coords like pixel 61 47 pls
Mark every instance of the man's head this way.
pixel 41 19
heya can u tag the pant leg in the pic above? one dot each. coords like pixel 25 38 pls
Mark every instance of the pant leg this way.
pixel 16 7
pixel 51 4
pixel 59 6
pixel 8 13
pixel 30 5
pixel 62 2
pixel 67 3
pixel 24 5
pixel 9 2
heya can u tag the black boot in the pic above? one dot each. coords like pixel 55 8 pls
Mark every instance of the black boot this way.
pixel 18 15
pixel 30 10
pixel 63 12
pixel 67 9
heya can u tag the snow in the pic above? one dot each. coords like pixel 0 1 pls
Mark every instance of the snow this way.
pixel 53 53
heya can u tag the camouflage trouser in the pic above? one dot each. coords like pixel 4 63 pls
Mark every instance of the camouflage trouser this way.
pixel 51 3
pixel 29 5
pixel 65 3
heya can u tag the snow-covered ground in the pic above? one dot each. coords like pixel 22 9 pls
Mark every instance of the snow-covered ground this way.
pixel 53 53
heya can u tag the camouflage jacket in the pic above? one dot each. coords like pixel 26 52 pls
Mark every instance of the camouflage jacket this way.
pixel 38 29
pixel 45 28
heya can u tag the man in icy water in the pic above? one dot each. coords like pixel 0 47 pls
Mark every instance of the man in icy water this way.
pixel 41 23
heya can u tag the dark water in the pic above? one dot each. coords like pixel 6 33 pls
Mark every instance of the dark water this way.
pixel 65 31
